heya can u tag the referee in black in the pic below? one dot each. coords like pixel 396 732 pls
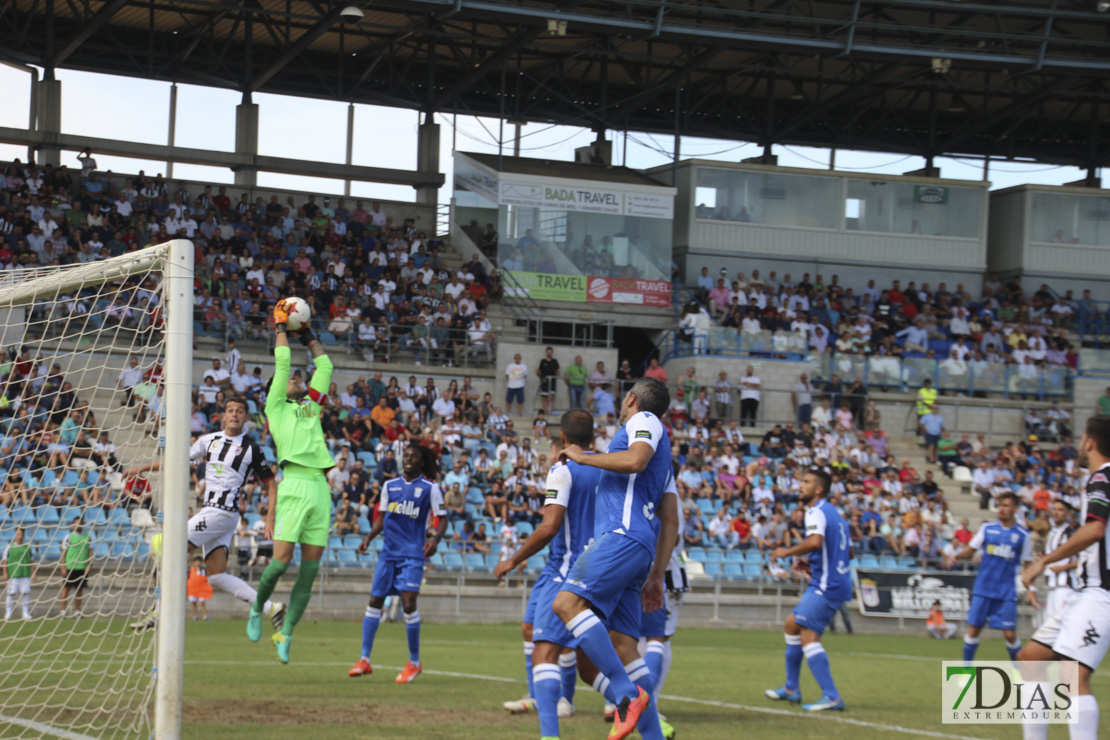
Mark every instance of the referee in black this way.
pixel 549 380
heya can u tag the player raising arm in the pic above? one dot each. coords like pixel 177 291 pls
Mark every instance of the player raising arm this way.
pixel 302 510
pixel 1081 632
pixel 606 581
pixel 1005 545
pixel 405 506
pixel 827 546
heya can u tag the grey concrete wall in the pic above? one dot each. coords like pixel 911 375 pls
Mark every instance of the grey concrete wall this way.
pixel 1087 392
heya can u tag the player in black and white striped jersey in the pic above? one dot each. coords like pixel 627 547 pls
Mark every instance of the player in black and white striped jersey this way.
pixel 230 458
pixel 1062 577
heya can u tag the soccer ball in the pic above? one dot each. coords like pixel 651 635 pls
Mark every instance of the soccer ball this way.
pixel 299 313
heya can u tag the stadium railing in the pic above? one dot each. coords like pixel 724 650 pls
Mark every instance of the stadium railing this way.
pixel 1045 382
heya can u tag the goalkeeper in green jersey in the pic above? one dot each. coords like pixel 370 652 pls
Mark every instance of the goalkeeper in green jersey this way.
pixel 302 512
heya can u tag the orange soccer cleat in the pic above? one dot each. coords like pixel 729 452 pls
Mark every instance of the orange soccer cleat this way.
pixel 628 714
pixel 361 668
pixel 410 673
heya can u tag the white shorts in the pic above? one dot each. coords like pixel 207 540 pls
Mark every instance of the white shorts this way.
pixel 19 586
pixel 1081 632
pixel 672 600
pixel 212 528
pixel 196 599
pixel 1058 600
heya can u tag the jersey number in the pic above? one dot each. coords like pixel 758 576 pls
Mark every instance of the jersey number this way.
pixel 649 511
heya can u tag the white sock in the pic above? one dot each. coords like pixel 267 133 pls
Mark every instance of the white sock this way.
pixel 25 602
pixel 664 671
pixel 1036 729
pixel 1087 727
pixel 238 588
pixel 9 605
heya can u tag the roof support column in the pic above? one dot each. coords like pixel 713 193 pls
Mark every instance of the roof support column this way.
pixel 350 145
pixel 46 97
pixel 427 159
pixel 171 135
pixel 246 141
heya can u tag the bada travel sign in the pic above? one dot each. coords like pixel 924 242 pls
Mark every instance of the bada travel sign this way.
pixel 586 199
pixel 543 287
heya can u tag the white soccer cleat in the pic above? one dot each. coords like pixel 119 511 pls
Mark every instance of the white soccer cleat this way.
pixel 142 625
pixel 565 708
pixel 521 706
pixel 27 617
pixel 277 615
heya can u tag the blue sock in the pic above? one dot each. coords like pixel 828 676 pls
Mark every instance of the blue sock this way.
pixel 1013 647
pixel 547 680
pixel 568 667
pixel 370 628
pixel 653 656
pixel 648 724
pixel 594 640
pixel 528 646
pixel 818 661
pixel 971 644
pixel 794 657
pixel 601 686
pixel 412 630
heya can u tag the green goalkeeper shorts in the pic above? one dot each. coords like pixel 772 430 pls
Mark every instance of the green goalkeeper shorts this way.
pixel 303 507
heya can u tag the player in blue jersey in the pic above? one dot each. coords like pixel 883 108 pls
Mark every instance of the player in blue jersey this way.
pixel 622 572
pixel 405 506
pixel 1005 545
pixel 568 524
pixel 828 546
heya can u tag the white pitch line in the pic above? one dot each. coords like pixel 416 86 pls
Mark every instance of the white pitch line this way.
pixel 705 702
pixel 44 728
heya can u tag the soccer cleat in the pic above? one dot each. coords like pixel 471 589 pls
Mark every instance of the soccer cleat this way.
pixel 610 711
pixel 564 709
pixel 277 615
pixel 667 729
pixel 409 674
pixel 628 714
pixel 254 626
pixel 143 625
pixel 521 706
pixel 781 693
pixel 281 642
pixel 361 668
pixel 825 704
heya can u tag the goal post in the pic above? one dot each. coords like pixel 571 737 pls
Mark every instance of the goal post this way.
pixel 95 377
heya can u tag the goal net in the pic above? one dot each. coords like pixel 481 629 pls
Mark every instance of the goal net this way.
pixel 95 365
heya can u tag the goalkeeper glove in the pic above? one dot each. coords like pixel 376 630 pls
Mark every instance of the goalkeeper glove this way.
pixel 306 336
pixel 281 316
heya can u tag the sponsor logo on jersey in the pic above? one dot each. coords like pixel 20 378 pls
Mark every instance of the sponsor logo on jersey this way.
pixel 418 493
pixel 552 493
pixel 1098 478
pixel 643 434
pixel 1006 552
pixel 404 508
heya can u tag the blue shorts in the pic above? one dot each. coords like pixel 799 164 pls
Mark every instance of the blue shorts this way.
pixel 654 624
pixel 609 575
pixel 1000 614
pixel 548 627
pixel 537 589
pixel 391 577
pixel 815 611
pixel 511 393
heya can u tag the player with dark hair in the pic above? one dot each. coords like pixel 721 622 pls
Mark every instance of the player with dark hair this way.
pixel 568 524
pixel 621 575
pixel 405 506
pixel 1081 632
pixel 1005 545
pixel 302 510
pixel 828 547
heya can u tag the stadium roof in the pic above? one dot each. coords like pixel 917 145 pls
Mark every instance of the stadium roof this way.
pixel 928 77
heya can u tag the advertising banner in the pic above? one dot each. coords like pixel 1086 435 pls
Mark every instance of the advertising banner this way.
pixel 543 287
pixel 654 293
pixel 886 593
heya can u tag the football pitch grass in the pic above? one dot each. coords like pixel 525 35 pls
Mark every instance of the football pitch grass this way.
pixel 236 690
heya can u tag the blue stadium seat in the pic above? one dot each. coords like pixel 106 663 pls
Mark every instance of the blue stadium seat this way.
pixel 536 563
pixel 49 515
pixel 51 553
pixel 41 536
pixel 474 495
pixel 713 570
pixel 122 550
pixel 868 561
pixel 367 458
pixel 70 514
pixel 735 556
pixel 94 515
pixel 452 561
pixel 119 517
pixel 363 525
pixel 524 528
pixel 906 562
pixel 70 479
pixel 714 554
pixel 93 477
pixel 101 551
pixel 253 518
pixel 446 461
pixel 475 561
pixel 705 506
pixel 697 554
pixel 23 515
pixel 335 542
pixel 733 570
pixel 3 514
pixel 142 551
pixel 753 571
pixel 753 556
pixel 267 453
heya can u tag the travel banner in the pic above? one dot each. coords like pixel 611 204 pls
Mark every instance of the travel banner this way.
pixel 543 287
pixel 629 291
pixel 887 593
